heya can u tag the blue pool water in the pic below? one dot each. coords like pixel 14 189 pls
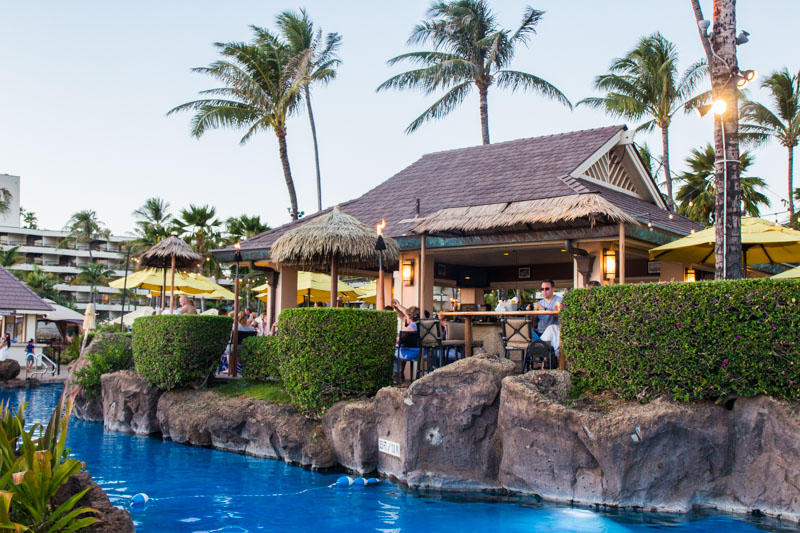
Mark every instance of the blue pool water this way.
pixel 202 490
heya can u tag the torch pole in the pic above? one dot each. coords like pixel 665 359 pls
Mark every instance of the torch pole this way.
pixel 379 299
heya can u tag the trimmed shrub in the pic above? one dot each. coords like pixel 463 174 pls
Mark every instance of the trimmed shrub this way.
pixel 179 350
pixel 260 358
pixel 111 353
pixel 694 340
pixel 333 354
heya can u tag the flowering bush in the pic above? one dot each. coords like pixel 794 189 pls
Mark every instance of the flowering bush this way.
pixel 693 340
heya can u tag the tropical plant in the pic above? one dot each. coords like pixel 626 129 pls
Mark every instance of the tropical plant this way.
pixel 261 89
pixel 83 226
pixel 29 218
pixel 10 257
pixel 696 196
pixel 93 275
pixel 43 284
pixel 31 474
pixel 782 123
pixel 317 62
pixel 113 353
pixel 5 199
pixel 469 48
pixel 645 84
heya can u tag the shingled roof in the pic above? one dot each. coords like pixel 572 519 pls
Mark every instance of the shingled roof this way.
pixel 524 169
pixel 15 295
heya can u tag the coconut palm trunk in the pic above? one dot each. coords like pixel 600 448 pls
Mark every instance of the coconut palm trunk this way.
pixel 316 147
pixel 483 92
pixel 792 221
pixel 665 162
pixel 727 204
pixel 287 171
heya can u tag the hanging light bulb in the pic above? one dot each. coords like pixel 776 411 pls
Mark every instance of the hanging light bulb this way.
pixel 691 203
pixel 671 216
pixel 692 231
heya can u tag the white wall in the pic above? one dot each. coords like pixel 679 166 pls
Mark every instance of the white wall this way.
pixel 10 217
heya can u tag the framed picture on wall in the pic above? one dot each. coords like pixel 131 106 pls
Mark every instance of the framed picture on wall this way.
pixel 524 273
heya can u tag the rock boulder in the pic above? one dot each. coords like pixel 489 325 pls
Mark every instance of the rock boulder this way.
pixel 351 428
pixel 244 425
pixel 9 369
pixel 444 426
pixel 661 456
pixel 129 403
pixel 112 519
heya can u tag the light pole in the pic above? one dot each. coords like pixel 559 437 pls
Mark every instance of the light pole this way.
pixel 124 290
pixel 234 349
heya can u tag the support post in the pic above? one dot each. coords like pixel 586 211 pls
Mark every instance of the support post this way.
pixel 334 279
pixel 621 253
pixel 172 288
pixel 233 361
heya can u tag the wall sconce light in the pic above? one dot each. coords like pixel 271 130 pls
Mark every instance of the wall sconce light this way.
pixel 690 276
pixel 408 272
pixel 610 264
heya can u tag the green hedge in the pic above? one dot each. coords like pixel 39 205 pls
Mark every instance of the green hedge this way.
pixel 179 350
pixel 110 353
pixel 695 340
pixel 333 354
pixel 261 358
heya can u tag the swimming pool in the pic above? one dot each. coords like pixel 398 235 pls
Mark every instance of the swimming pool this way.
pixel 202 490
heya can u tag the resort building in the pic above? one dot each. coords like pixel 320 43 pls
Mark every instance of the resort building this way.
pixel 574 207
pixel 49 250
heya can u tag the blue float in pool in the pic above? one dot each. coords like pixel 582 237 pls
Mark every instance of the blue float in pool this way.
pixel 360 482
pixel 373 481
pixel 344 481
pixel 140 499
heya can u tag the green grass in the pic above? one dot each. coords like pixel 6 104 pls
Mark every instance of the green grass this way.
pixel 269 392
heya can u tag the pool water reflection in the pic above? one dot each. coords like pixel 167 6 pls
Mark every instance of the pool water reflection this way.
pixel 202 490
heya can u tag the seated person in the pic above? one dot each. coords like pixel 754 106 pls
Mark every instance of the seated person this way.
pixel 549 328
pixel 407 339
pixel 186 306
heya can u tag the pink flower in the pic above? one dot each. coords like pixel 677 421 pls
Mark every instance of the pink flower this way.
pixel 783 372
pixel 677 324
pixel 791 382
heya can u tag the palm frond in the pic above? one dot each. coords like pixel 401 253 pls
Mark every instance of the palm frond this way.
pixel 515 80
pixel 443 106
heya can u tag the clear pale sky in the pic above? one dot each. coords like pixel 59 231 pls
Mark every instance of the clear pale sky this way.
pixel 86 86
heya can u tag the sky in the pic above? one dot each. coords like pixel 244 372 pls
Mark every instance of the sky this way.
pixel 86 86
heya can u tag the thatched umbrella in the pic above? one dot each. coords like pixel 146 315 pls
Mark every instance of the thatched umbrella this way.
pixel 172 252
pixel 332 241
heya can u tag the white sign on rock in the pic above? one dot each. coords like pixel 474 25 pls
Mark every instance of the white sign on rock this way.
pixel 388 447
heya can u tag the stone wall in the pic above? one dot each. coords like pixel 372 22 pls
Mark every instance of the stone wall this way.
pixel 475 425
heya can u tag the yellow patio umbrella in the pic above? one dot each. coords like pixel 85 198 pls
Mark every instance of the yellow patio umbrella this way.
pixel 762 243
pixel 153 278
pixel 214 290
pixel 793 273
pixel 315 287
pixel 368 292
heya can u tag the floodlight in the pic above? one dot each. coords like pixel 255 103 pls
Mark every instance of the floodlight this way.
pixel 743 37
pixel 704 25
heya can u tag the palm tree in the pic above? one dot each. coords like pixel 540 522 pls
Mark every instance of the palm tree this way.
pixel 152 224
pixel 469 48
pixel 261 89
pixel 198 225
pixel 761 123
pixel 5 199
pixel 696 195
pixel 43 284
pixel 645 83
pixel 83 226
pixel 244 227
pixel 29 218
pixel 317 62
pixel 10 257
pixel 93 275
